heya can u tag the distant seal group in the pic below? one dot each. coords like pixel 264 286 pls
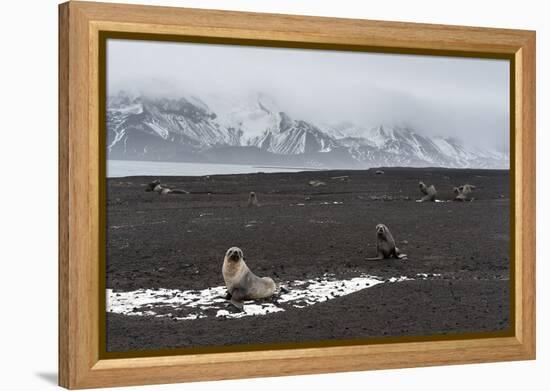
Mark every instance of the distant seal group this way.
pixel 241 283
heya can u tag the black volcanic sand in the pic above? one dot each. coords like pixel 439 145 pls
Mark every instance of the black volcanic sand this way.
pixel 178 241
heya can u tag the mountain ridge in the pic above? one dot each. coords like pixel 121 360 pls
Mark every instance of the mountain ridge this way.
pixel 257 131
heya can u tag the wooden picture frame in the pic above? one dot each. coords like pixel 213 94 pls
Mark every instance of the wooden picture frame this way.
pixel 81 364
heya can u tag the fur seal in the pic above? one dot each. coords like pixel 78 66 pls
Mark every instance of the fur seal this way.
pixel 462 192
pixel 156 187
pixel 429 192
pixel 385 245
pixel 151 186
pixel 466 189
pixel 252 199
pixel 241 283
pixel 459 196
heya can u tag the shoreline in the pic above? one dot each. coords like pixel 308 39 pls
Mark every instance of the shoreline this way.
pixel 286 170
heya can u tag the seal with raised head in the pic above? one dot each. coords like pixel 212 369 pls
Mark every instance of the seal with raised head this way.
pixel 459 196
pixel 429 192
pixel 241 283
pixel 252 199
pixel 463 192
pixel 385 245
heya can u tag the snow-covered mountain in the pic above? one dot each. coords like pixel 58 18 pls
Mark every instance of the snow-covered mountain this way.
pixel 255 130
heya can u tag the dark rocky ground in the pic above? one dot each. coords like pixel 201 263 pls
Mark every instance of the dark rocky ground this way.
pixel 178 241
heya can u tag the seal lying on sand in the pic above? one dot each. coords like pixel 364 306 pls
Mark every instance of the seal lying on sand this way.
pixel 385 245
pixel 429 192
pixel 241 283
pixel 157 188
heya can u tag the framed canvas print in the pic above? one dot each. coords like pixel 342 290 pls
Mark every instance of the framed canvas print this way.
pixel 247 195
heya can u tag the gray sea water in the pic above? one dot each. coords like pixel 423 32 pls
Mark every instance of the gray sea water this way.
pixel 122 168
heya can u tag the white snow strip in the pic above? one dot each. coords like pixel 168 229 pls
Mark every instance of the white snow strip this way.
pixel 210 302
pixel 305 293
pixel 118 137
pixel 428 275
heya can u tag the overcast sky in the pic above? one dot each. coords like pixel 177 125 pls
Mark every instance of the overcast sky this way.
pixel 446 96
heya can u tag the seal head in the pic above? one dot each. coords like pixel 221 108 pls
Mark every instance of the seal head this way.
pixel 234 254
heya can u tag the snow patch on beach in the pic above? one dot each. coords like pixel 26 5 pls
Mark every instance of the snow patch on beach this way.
pixel 195 304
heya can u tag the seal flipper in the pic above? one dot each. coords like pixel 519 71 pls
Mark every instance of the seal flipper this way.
pixel 399 255
pixel 238 304
pixel 280 291
pixel 379 257
pixel 237 297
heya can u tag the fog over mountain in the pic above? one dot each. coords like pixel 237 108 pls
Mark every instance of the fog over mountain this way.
pixel 321 108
